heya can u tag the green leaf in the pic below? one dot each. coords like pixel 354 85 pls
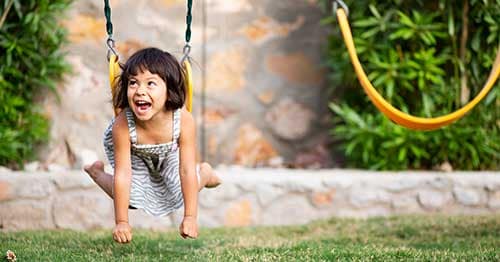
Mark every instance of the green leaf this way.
pixel 451 23
pixel 374 11
pixel 402 154
pixel 17 8
pixel 405 20
pixel 370 33
pixel 366 22
pixel 492 95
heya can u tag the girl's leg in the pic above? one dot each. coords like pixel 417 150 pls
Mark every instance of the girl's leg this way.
pixel 101 178
pixel 208 178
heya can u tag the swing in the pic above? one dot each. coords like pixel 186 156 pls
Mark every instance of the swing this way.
pixel 396 115
pixel 114 67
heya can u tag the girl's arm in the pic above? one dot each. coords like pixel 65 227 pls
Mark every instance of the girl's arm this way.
pixel 122 176
pixel 189 181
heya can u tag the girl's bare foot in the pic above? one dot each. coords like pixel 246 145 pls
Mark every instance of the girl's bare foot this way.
pixel 101 178
pixel 208 177
pixel 95 170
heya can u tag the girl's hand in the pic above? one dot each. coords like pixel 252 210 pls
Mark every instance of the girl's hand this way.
pixel 189 227
pixel 122 233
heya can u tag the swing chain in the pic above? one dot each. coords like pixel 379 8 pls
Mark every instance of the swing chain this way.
pixel 185 51
pixel 109 29
pixel 111 44
pixel 337 3
pixel 189 18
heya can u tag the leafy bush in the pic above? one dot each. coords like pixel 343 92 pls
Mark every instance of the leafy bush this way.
pixel 30 62
pixel 427 58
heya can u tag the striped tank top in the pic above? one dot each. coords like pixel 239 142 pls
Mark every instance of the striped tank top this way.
pixel 155 186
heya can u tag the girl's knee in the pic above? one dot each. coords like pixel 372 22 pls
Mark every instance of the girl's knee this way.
pixel 205 167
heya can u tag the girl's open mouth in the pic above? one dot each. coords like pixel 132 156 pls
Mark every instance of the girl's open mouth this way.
pixel 142 106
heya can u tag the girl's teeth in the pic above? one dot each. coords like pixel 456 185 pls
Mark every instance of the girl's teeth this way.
pixel 143 106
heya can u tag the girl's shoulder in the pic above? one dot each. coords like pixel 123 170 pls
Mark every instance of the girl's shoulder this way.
pixel 186 117
pixel 121 123
pixel 188 125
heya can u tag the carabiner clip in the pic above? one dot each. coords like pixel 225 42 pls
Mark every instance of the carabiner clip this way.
pixel 186 50
pixel 336 4
pixel 111 44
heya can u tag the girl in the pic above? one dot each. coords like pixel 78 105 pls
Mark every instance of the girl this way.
pixel 151 145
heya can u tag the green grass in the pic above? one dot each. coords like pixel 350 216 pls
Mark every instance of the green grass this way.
pixel 422 238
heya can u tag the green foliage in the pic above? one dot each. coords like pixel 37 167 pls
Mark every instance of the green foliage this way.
pixel 423 57
pixel 31 62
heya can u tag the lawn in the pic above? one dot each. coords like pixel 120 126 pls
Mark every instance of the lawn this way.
pixel 420 238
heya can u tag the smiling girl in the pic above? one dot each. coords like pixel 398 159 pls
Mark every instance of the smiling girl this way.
pixel 151 144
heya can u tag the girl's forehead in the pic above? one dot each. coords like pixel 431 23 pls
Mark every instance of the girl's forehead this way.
pixel 144 73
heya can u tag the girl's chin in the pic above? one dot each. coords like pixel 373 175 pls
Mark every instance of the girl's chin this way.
pixel 142 118
pixel 142 114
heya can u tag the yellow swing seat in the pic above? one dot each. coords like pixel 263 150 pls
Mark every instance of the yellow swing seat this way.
pixel 396 115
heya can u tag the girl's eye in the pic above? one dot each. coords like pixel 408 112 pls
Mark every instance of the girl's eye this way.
pixel 151 83
pixel 132 82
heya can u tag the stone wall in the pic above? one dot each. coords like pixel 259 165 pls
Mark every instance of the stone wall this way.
pixel 70 200
pixel 262 77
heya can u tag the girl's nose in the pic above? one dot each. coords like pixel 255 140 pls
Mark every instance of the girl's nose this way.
pixel 141 90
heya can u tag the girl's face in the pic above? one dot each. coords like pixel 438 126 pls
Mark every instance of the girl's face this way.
pixel 146 94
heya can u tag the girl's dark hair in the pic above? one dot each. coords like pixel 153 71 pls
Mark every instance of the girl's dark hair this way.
pixel 157 62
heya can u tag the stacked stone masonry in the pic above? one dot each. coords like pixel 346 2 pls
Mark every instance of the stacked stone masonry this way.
pixel 263 74
pixel 70 200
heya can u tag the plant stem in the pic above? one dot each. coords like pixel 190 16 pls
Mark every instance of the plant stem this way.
pixel 464 90
pixel 5 12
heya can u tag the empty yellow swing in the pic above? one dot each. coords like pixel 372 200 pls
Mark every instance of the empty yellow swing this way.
pixel 396 115
pixel 114 66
